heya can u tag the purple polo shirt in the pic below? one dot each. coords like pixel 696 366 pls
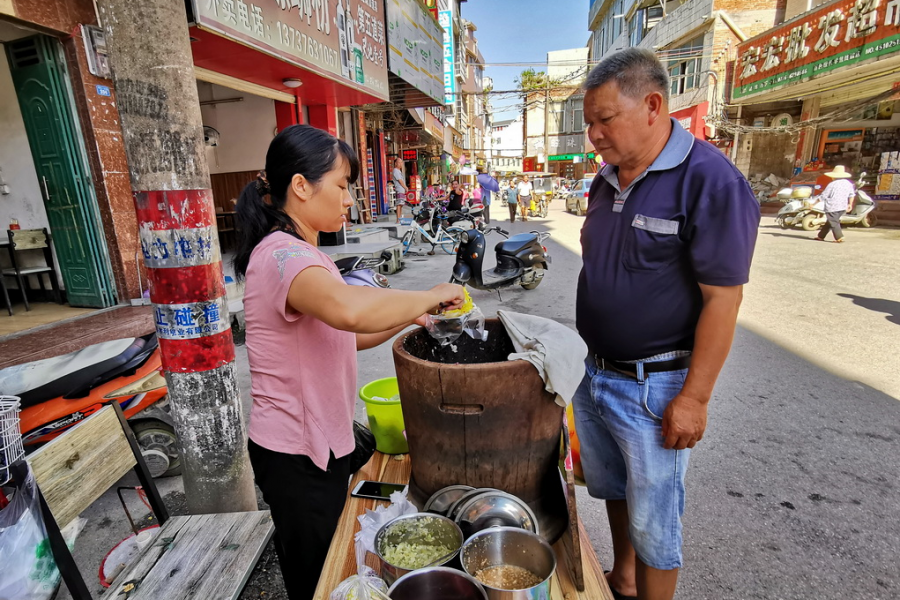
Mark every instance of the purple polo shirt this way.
pixel 689 218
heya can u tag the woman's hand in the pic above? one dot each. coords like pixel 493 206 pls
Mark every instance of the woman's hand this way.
pixel 420 321
pixel 448 296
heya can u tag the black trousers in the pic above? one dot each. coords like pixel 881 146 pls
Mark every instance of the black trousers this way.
pixel 306 504
pixel 832 224
pixel 487 214
pixel 513 208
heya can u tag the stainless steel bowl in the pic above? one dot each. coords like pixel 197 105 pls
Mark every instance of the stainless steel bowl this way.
pixel 442 499
pixel 510 546
pixel 443 532
pixel 453 510
pixel 437 583
pixel 494 509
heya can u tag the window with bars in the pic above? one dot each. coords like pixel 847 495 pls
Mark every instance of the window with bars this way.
pixel 557 117
pixel 685 65
pixel 575 115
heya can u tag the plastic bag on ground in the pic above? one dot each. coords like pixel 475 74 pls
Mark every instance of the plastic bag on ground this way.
pixel 29 570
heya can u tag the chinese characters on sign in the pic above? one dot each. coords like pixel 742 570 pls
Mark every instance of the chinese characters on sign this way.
pixel 415 47
pixel 168 248
pixel 342 39
pixel 842 33
pixel 446 21
pixel 194 320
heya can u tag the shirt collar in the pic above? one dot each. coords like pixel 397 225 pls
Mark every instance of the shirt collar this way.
pixel 673 154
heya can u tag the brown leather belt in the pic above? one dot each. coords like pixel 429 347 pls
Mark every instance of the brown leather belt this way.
pixel 628 368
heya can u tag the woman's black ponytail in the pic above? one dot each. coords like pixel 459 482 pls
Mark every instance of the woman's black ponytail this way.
pixel 298 149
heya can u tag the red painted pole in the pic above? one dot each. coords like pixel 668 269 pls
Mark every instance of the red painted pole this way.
pixel 156 95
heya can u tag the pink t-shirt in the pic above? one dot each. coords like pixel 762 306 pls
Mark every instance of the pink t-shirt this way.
pixel 302 371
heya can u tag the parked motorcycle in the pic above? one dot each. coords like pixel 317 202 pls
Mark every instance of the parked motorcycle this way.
pixel 794 209
pixel 363 271
pixel 62 391
pixel 521 260
pixel 862 214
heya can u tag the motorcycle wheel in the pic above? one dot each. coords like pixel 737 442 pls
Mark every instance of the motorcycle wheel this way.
pixel 780 222
pixel 536 282
pixel 869 220
pixel 158 443
pixel 809 223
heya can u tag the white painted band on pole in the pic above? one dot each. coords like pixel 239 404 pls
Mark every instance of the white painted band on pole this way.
pixel 178 248
pixel 192 320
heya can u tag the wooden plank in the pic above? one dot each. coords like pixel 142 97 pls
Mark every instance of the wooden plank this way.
pixel 76 468
pixel 198 556
pixel 29 239
pixel 341 561
pixel 571 537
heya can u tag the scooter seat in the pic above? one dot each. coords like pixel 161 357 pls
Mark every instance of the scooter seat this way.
pixel 515 244
pixel 81 371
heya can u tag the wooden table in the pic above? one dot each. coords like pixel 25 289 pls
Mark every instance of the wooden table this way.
pixel 341 561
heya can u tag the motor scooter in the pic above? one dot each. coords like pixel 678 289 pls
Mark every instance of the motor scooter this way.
pixel 794 209
pixel 59 392
pixel 362 271
pixel 862 213
pixel 521 260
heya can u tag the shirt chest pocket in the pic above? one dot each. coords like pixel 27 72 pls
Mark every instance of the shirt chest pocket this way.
pixel 651 243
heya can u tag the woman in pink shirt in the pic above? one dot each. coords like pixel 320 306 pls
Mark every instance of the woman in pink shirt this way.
pixel 304 326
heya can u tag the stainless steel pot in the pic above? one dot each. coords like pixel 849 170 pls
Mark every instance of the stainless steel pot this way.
pixel 444 532
pixel 437 583
pixel 510 546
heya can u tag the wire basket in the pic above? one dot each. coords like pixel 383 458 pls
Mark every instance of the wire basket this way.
pixel 10 436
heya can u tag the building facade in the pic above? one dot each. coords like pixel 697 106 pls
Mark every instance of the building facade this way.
pixel 696 40
pixel 554 117
pixel 258 68
pixel 820 90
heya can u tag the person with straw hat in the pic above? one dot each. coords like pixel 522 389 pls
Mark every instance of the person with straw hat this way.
pixel 838 197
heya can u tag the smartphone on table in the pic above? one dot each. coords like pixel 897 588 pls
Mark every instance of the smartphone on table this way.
pixel 376 490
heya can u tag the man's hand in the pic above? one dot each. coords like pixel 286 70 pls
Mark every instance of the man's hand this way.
pixel 683 423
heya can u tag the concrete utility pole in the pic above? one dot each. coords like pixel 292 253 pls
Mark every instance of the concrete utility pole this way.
pixel 547 121
pixel 156 94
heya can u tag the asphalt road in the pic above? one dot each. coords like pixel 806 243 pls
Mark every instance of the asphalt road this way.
pixel 792 494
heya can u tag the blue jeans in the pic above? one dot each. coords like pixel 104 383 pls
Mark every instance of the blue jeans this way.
pixel 619 425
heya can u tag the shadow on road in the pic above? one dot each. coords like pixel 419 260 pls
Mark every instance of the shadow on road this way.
pixel 891 307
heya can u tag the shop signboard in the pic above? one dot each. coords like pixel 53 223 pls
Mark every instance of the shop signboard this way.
pixel 415 47
pixel 343 40
pixel 445 17
pixel 838 34
pixel 410 154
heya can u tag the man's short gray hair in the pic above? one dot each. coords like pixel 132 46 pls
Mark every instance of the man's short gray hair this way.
pixel 636 71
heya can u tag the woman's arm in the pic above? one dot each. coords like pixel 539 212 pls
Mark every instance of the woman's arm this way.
pixel 317 293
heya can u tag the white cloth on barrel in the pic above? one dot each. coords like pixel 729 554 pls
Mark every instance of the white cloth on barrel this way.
pixel 556 351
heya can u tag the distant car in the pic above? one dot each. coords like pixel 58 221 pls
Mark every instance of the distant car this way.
pixel 577 200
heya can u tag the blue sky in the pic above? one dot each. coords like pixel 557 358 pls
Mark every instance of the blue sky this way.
pixel 523 31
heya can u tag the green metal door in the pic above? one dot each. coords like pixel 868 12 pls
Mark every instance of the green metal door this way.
pixel 42 86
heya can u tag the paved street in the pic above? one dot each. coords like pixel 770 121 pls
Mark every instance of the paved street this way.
pixel 792 493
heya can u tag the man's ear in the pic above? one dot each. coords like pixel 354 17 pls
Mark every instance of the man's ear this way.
pixel 655 106
pixel 301 187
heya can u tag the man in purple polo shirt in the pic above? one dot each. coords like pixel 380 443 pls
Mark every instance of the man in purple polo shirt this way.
pixel 667 243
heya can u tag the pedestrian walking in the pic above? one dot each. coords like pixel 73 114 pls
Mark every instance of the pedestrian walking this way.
pixel 486 197
pixel 838 197
pixel 525 190
pixel 304 327
pixel 667 243
pixel 512 200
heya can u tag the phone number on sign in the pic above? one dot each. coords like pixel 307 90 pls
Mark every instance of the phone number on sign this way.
pixel 290 37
